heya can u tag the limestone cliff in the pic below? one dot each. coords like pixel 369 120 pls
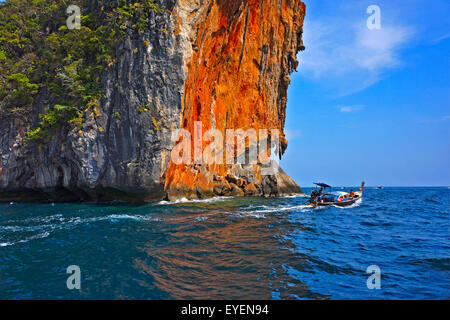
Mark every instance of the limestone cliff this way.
pixel 225 63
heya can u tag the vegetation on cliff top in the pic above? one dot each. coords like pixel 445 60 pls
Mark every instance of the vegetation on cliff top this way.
pixel 41 56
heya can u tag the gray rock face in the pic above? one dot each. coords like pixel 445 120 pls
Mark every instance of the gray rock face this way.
pixel 123 148
pixel 142 106
pixel 125 144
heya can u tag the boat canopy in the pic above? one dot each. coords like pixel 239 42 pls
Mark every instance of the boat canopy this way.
pixel 323 185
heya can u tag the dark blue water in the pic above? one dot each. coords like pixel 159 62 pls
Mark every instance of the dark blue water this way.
pixel 230 249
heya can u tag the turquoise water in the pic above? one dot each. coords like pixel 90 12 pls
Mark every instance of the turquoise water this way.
pixel 230 249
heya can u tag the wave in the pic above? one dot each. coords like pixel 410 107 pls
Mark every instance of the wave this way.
pixel 355 205
pixel 185 200
pixel 302 195
pixel 71 220
pixel 267 209
pixel 297 208
pixel 37 236
pixel 60 223
pixel 220 198
pixel 242 214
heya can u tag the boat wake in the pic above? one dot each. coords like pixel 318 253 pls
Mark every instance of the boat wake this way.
pixel 355 205
pixel 269 209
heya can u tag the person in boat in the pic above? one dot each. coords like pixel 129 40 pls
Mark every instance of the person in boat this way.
pixel 352 194
pixel 319 196
pixel 314 196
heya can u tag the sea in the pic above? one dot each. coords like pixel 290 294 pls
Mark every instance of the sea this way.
pixel 392 244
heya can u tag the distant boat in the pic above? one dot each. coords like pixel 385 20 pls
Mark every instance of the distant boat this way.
pixel 379 187
pixel 337 198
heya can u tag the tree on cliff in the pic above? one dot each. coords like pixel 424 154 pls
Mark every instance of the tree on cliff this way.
pixel 41 56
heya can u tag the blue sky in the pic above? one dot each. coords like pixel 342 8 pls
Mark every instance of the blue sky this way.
pixel 371 104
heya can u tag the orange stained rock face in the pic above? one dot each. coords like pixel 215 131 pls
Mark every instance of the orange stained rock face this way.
pixel 238 74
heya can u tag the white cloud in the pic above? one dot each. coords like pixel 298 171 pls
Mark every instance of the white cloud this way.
pixel 377 50
pixel 443 37
pixel 349 109
pixel 351 56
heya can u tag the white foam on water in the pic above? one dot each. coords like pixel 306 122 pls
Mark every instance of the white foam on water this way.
pixel 356 204
pixel 302 195
pixel 24 228
pixel 301 208
pixel 185 200
pixel 259 213
pixel 58 217
pixel 37 236
pixel 126 217
pixel 241 214
pixel 62 223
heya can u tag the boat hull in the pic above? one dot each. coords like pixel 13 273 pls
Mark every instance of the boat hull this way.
pixel 317 198
pixel 339 204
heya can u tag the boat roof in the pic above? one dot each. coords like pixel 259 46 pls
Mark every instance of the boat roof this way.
pixel 323 185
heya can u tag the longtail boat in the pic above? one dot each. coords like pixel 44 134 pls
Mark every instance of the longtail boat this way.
pixel 336 198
